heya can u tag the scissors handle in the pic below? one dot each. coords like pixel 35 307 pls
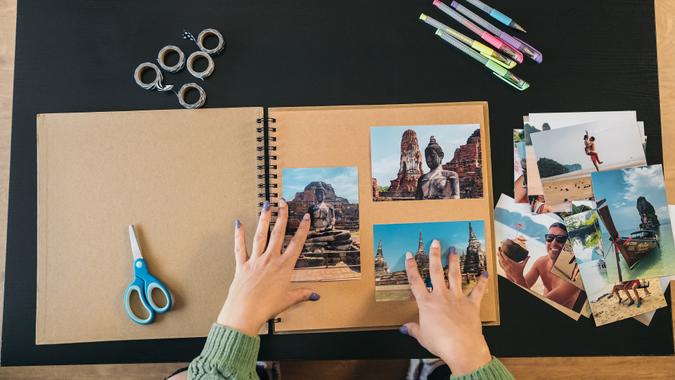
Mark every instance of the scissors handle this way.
pixel 139 287
pixel 145 283
pixel 152 283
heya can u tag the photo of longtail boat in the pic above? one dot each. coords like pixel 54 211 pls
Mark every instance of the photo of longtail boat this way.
pixel 633 247
pixel 609 301
pixel 637 235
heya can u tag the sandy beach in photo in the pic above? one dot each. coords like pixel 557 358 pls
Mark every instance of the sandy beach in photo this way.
pixel 565 190
pixel 607 310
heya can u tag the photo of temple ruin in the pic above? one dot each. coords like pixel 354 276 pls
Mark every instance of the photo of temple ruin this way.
pixel 392 241
pixel 426 162
pixel 330 195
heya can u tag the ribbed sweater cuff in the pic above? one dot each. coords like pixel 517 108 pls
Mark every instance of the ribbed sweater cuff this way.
pixel 493 370
pixel 227 345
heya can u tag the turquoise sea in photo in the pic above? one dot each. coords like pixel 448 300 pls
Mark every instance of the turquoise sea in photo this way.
pixel 621 189
pixel 659 262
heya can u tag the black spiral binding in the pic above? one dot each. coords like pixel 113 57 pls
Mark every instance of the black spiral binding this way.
pixel 267 167
pixel 267 171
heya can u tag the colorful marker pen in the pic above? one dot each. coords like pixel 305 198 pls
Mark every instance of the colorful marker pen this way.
pixel 517 43
pixel 498 43
pixel 499 71
pixel 482 49
pixel 497 15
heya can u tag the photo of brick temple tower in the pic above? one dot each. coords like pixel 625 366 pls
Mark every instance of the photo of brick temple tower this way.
pixel 473 260
pixel 422 259
pixel 393 241
pixel 433 162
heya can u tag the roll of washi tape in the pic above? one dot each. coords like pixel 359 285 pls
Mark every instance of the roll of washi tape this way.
pixel 191 61
pixel 210 32
pixel 161 57
pixel 156 84
pixel 183 91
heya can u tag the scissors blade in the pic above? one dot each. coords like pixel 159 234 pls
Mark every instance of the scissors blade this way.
pixel 135 247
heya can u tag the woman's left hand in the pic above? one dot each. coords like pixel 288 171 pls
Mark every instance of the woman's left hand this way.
pixel 261 288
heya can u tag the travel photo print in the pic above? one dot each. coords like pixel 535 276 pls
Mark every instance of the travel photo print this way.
pixel 540 122
pixel 519 167
pixel 528 246
pixel 332 251
pixel 610 301
pixel 392 241
pixel 566 157
pixel 426 162
pixel 636 225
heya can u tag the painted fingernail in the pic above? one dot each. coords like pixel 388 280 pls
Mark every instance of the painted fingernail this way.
pixel 408 255
pixel 305 217
pixel 237 224
pixel 435 244
pixel 403 330
pixel 314 297
pixel 485 274
pixel 266 206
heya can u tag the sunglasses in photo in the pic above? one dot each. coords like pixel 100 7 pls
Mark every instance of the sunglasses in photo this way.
pixel 558 238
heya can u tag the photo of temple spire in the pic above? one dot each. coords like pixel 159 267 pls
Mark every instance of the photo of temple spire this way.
pixel 426 170
pixel 422 259
pixel 472 261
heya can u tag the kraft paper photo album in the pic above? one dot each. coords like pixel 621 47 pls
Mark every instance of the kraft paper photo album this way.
pixel 378 181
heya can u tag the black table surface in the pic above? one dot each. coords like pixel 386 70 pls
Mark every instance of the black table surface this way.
pixel 79 55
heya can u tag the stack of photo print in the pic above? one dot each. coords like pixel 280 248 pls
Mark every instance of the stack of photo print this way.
pixel 588 229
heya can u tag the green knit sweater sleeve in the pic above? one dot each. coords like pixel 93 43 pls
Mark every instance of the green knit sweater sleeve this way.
pixel 227 354
pixel 494 370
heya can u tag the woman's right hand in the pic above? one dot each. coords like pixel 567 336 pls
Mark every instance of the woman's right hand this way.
pixel 449 322
pixel 261 287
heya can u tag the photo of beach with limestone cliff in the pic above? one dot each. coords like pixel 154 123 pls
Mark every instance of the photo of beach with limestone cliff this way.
pixel 568 156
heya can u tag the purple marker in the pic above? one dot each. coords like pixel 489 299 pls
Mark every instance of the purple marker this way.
pixel 517 43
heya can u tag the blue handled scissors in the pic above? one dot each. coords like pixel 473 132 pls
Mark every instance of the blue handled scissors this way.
pixel 144 283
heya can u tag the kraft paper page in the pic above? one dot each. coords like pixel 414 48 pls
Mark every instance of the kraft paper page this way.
pixel 181 176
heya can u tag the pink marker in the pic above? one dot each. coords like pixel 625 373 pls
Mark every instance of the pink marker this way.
pixel 497 42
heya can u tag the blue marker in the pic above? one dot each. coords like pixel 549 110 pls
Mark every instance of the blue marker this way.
pixel 497 15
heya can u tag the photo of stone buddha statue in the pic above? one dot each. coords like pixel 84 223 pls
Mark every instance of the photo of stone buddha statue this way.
pixel 438 183
pixel 452 154
pixel 332 250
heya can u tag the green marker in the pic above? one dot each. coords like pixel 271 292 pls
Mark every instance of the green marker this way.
pixel 497 70
pixel 490 53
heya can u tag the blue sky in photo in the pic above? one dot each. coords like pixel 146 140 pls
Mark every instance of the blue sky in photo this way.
pixel 385 145
pixel 344 179
pixel 622 187
pixel 397 239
